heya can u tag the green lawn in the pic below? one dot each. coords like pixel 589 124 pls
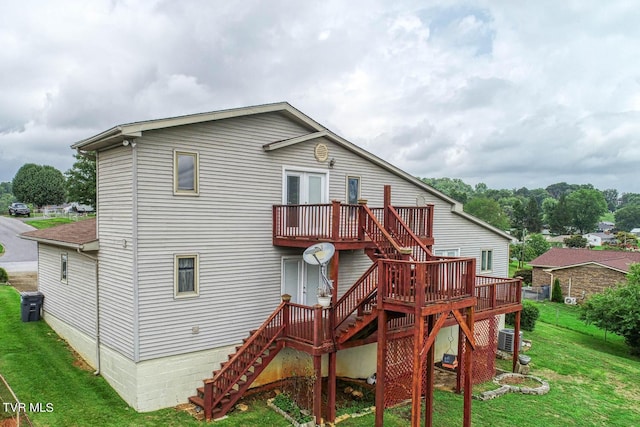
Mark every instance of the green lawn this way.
pixel 50 222
pixel 593 382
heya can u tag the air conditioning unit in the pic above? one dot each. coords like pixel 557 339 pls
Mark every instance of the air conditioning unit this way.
pixel 570 300
pixel 505 340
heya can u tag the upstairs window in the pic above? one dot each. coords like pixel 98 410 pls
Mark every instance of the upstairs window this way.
pixel 185 173
pixel 64 267
pixel 186 276
pixel 487 260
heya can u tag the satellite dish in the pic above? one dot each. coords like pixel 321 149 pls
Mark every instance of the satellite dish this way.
pixel 319 254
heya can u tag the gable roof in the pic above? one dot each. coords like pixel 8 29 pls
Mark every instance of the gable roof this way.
pixel 127 132
pixel 78 235
pixel 556 258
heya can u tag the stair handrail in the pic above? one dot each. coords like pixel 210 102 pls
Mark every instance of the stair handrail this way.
pixel 411 234
pixel 342 313
pixel 209 383
pixel 372 219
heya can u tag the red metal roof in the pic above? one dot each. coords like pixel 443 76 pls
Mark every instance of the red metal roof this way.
pixel 565 257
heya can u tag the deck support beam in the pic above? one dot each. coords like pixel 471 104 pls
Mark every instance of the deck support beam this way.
pixel 428 393
pixel 318 335
pixel 516 341
pixel 381 366
pixel 468 368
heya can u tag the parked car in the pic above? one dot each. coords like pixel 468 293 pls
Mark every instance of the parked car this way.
pixel 79 208
pixel 19 209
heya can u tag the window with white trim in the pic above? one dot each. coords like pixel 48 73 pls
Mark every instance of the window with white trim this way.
pixel 446 252
pixel 186 172
pixel 486 261
pixel 64 267
pixel 186 276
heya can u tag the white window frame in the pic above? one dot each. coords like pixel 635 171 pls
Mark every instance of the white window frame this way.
pixel 447 252
pixel 293 170
pixel 64 267
pixel 348 177
pixel 196 276
pixel 486 260
pixel 196 178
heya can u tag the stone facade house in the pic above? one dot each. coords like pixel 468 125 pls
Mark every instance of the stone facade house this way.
pixel 582 272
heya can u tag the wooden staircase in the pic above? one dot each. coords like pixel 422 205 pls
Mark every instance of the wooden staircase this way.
pixel 225 388
pixel 355 314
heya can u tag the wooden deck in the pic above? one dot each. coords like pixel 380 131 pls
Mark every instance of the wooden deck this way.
pixel 341 224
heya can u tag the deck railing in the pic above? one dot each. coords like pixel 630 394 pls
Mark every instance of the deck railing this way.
pixel 359 297
pixel 496 292
pixel 423 283
pixel 342 222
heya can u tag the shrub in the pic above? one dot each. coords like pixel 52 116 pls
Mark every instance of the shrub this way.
pixel 526 274
pixel 618 310
pixel 556 291
pixel 4 277
pixel 528 317
pixel 286 403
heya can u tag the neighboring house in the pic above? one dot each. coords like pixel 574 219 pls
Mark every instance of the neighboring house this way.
pixel 582 272
pixel 557 241
pixel 201 225
pixel 604 226
pixel 599 239
pixel 636 231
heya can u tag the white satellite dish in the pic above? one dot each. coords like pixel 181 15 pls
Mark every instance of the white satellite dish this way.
pixel 318 254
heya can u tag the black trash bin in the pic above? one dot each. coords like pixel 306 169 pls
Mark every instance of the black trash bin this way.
pixel 31 305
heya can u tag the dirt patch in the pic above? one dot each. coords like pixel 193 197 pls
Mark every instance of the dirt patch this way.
pixel 520 382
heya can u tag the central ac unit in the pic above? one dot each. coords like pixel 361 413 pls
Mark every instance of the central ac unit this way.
pixel 505 340
pixel 570 300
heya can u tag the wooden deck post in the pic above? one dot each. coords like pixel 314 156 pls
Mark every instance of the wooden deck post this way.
pixel 387 203
pixel 416 377
pixel 428 393
pixel 361 219
pixel 381 364
pixel 285 314
pixel 318 336
pixel 468 371
pixel 516 340
pixel 460 365
pixel 335 220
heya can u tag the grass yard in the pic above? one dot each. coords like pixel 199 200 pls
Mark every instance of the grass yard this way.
pixel 52 222
pixel 593 382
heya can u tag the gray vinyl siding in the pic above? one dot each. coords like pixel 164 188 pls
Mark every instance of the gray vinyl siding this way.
pixel 114 229
pixel 229 226
pixel 73 302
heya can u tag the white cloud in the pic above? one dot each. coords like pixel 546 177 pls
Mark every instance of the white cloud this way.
pixel 511 94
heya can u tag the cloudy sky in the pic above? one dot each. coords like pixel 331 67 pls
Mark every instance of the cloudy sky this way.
pixel 507 93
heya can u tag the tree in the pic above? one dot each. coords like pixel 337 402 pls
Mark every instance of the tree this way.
pixel 488 210
pixel 81 180
pixel 628 217
pixel 556 291
pixel 611 196
pixel 518 218
pixel 455 188
pixel 586 206
pixel 626 240
pixel 575 241
pixel 618 309
pixel 40 185
pixel 548 205
pixel 558 189
pixel 629 199
pixel 560 217
pixel 532 216
pixel 538 244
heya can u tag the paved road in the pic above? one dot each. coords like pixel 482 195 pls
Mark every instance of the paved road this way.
pixel 19 254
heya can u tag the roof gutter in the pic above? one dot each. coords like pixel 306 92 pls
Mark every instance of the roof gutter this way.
pixel 83 247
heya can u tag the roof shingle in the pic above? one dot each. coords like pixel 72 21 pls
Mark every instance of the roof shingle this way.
pixel 77 233
pixel 565 257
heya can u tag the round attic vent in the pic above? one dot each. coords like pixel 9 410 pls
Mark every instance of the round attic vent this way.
pixel 321 152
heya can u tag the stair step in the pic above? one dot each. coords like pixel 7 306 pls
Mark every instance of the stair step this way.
pixel 197 400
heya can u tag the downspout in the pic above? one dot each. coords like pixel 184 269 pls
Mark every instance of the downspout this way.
pixel 134 238
pixel 95 260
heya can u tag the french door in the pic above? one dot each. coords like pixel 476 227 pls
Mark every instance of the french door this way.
pixel 300 280
pixel 304 188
